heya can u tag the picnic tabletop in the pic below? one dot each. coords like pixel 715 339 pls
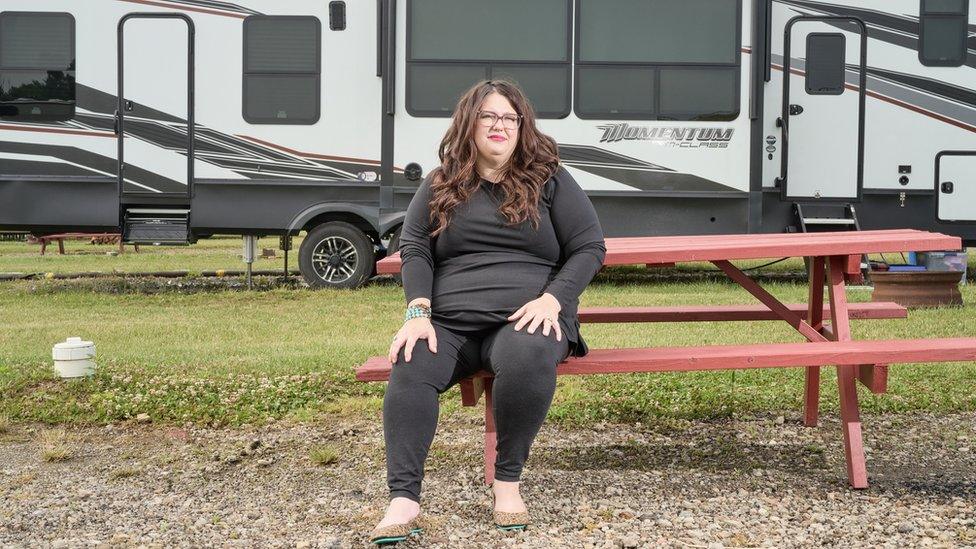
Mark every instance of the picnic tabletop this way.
pixel 721 247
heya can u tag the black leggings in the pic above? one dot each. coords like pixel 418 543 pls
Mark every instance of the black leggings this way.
pixel 524 366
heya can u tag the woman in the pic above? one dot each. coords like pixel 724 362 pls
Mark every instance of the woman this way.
pixel 498 241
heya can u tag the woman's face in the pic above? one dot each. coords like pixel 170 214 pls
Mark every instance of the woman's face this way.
pixel 495 142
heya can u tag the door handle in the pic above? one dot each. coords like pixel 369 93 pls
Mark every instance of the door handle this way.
pixel 795 109
pixel 115 123
pixel 946 187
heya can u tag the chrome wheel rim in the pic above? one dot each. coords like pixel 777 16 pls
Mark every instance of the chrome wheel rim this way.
pixel 334 259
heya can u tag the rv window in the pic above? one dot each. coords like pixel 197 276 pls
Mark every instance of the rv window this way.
pixel 657 59
pixel 658 31
pixel 451 44
pixel 943 32
pixel 546 86
pixel 698 94
pixel 37 66
pixel 437 87
pixel 282 69
pixel 825 64
pixel 622 92
pixel 502 30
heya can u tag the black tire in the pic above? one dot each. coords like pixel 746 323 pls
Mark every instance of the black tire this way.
pixel 392 249
pixel 345 256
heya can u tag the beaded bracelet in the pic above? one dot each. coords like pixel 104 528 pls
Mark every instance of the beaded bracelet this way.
pixel 417 311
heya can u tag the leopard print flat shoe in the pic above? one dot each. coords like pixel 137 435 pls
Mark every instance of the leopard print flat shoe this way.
pixel 511 521
pixel 395 533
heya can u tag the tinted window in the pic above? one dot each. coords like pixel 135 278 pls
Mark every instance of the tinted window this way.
pixel 658 59
pixel 452 44
pixel 698 94
pixel 658 31
pixel 282 69
pixel 546 86
pixel 944 6
pixel 943 32
pixel 616 91
pixel 500 30
pixel 825 64
pixel 437 88
pixel 37 66
pixel 281 99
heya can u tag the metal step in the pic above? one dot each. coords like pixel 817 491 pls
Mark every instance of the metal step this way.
pixel 827 221
pixel 825 217
pixel 157 226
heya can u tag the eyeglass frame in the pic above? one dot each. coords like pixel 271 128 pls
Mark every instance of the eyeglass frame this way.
pixel 497 117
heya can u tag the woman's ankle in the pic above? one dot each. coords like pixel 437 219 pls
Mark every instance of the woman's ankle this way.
pixel 505 486
pixel 403 507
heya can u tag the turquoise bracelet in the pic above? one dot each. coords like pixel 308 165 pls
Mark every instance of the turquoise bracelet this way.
pixel 416 311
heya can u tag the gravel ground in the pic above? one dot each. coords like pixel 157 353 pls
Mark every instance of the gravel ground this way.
pixel 742 482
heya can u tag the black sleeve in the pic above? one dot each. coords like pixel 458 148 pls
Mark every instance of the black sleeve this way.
pixel 580 238
pixel 416 246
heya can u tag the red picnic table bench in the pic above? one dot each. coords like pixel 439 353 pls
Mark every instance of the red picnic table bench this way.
pixel 104 238
pixel 825 328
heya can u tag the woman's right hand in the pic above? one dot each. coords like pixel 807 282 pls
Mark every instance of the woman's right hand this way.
pixel 409 333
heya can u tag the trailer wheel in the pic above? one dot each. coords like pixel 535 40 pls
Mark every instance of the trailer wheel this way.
pixel 393 248
pixel 336 255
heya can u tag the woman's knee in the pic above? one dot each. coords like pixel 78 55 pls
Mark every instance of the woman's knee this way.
pixel 520 349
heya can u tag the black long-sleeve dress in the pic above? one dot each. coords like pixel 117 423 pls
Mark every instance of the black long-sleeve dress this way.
pixel 479 270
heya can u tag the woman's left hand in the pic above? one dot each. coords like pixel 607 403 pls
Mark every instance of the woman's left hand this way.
pixel 542 310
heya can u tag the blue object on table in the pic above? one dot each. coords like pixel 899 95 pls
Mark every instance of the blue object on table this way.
pixel 905 268
pixel 912 258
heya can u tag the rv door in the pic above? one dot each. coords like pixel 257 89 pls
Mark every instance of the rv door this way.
pixel 822 118
pixel 155 105
pixel 955 186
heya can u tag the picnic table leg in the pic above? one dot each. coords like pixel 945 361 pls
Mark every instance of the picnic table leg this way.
pixel 491 438
pixel 847 379
pixel 814 319
pixel 43 245
pixel 60 246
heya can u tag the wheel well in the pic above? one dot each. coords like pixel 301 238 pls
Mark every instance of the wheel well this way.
pixel 348 217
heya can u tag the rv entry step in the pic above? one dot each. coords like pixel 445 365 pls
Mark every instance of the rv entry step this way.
pixel 812 218
pixel 169 226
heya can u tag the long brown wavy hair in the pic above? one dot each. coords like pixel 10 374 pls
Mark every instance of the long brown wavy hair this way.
pixel 533 161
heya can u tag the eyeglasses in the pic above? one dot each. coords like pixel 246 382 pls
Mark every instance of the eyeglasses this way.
pixel 509 121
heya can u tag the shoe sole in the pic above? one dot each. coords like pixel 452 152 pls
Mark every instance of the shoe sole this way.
pixel 395 539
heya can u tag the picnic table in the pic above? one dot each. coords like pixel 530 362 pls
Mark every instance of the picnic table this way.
pixel 825 328
pixel 100 238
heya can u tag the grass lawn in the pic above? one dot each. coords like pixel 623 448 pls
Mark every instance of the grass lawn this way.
pixel 231 357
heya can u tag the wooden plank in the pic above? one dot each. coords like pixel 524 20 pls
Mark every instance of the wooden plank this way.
pixel 718 313
pixel 491 436
pixel 783 235
pixel 764 250
pixel 857 472
pixel 673 249
pixel 471 390
pixel 874 377
pixel 815 317
pixel 735 357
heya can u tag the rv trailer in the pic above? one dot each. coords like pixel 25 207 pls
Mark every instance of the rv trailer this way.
pixel 170 121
